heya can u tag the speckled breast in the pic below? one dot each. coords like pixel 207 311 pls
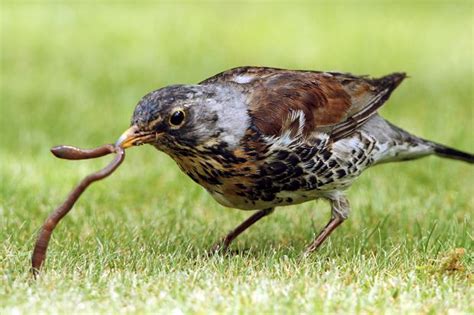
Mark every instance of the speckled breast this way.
pixel 280 176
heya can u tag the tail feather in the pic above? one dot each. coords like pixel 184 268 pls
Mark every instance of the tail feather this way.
pixel 450 153
pixel 411 147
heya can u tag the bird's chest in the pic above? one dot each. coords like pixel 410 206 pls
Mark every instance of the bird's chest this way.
pixel 222 173
pixel 273 176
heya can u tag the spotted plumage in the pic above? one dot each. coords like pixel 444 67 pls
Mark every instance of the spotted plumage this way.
pixel 256 138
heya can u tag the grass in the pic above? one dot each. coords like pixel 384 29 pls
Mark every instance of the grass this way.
pixel 135 243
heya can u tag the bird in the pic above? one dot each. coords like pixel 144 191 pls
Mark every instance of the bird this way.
pixel 257 138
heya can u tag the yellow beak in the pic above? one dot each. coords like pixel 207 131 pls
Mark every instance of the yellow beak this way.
pixel 132 136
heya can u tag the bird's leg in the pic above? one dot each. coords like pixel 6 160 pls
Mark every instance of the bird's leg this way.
pixel 340 209
pixel 225 242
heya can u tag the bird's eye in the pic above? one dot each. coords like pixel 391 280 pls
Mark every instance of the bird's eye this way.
pixel 177 118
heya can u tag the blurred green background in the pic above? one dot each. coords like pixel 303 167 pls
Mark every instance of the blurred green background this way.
pixel 72 72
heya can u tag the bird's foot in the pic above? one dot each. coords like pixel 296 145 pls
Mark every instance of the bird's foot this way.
pixel 309 251
pixel 218 248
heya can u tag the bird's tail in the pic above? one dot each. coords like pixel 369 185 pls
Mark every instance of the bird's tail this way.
pixel 451 153
pixel 410 147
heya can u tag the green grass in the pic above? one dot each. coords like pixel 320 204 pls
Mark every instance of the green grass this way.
pixel 136 242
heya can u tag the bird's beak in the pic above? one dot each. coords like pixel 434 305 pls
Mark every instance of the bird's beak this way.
pixel 132 136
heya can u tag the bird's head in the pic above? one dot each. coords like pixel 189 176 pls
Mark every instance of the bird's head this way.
pixel 187 116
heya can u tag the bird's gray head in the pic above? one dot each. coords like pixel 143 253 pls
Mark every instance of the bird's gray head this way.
pixel 184 116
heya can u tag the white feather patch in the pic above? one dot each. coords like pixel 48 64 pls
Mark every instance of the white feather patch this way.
pixel 242 79
pixel 233 116
pixel 286 137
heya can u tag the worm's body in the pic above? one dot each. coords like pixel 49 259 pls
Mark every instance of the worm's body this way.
pixel 73 153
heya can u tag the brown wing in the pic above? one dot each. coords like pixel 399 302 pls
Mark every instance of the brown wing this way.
pixel 367 96
pixel 238 75
pixel 332 102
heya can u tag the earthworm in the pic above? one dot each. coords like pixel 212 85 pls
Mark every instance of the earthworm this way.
pixel 72 153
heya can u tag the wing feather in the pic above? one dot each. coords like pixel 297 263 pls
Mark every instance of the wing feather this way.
pixel 331 102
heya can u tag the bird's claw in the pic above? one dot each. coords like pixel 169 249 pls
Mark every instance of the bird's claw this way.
pixel 217 248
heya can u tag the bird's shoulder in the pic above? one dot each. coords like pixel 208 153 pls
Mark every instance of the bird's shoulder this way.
pixel 300 101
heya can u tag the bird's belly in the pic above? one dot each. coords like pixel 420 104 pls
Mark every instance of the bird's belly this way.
pixel 232 201
pixel 253 197
pixel 252 190
pixel 282 199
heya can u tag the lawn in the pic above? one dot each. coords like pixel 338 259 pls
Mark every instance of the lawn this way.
pixel 136 242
